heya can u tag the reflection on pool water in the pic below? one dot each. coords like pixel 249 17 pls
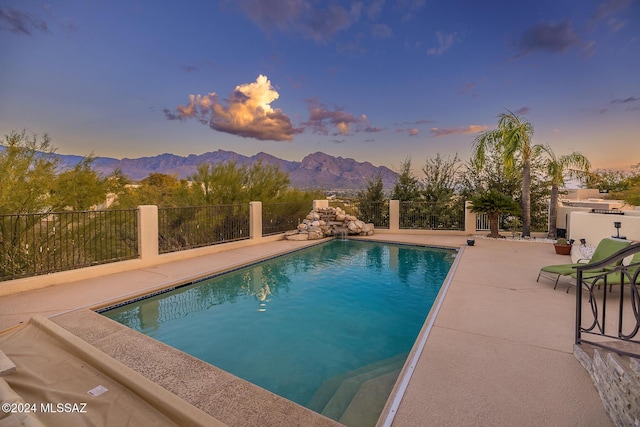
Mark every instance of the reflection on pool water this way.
pixel 328 327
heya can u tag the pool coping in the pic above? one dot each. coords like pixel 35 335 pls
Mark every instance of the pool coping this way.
pixel 393 400
pixel 500 352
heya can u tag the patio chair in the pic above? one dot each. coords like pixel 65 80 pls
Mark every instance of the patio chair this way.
pixel 605 248
pixel 597 278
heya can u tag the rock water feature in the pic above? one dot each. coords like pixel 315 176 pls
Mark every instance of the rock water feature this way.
pixel 326 222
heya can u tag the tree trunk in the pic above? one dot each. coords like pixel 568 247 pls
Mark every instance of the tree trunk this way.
pixel 494 218
pixel 526 197
pixel 553 212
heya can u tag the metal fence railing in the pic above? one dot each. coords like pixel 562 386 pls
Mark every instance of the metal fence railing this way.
pixel 376 213
pixel 34 244
pixel 196 226
pixel 617 332
pixel 280 217
pixel 432 215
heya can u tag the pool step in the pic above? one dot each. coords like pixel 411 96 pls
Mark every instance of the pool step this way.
pixel 353 394
pixel 366 406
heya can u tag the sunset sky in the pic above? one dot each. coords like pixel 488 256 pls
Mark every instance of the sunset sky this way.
pixel 374 80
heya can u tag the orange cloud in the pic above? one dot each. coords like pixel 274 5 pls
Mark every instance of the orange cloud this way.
pixel 463 130
pixel 247 113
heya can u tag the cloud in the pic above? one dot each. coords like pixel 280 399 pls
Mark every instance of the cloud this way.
pixel 18 22
pixel 625 100
pixel 322 119
pixel 445 41
pixel 248 112
pixel 300 16
pixel 453 131
pixel 415 122
pixel 610 7
pixel 548 37
pixel 631 103
pixel 374 9
pixel 522 111
pixel 410 8
pixel 381 31
pixel 413 131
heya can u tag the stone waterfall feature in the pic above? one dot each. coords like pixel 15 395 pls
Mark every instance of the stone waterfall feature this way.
pixel 326 222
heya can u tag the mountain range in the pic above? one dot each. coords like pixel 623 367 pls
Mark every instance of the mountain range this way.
pixel 317 170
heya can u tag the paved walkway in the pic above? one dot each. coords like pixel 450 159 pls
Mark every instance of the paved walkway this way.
pixel 499 353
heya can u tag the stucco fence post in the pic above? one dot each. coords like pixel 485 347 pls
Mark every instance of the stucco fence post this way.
pixel 394 215
pixel 255 220
pixel 470 219
pixel 148 233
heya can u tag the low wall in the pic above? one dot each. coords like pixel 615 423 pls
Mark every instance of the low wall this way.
pixel 594 227
pixel 36 282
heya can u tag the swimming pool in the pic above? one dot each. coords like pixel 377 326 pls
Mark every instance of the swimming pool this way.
pixel 326 327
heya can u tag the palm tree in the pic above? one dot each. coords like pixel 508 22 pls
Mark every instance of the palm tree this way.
pixel 493 203
pixel 513 138
pixel 573 165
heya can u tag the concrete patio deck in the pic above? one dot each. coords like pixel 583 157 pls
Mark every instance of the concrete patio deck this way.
pixel 500 351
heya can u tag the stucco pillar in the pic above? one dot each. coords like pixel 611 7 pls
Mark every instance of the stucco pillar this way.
pixel 320 204
pixel 469 219
pixel 394 215
pixel 255 220
pixel 148 232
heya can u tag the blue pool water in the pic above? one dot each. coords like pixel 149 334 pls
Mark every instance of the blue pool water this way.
pixel 293 323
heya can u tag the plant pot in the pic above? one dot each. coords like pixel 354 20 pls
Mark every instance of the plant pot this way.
pixel 563 249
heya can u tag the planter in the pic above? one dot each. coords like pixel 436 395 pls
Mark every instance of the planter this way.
pixel 563 249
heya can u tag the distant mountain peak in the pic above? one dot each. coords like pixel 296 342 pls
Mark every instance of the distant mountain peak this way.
pixel 316 170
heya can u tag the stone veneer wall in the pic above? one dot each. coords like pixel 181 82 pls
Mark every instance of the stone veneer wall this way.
pixel 617 382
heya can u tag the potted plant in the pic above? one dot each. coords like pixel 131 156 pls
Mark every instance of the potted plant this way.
pixel 563 246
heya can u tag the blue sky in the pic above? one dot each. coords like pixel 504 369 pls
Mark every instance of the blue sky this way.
pixel 374 80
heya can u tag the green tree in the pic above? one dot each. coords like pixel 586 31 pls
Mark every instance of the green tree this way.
pixel 608 181
pixel 441 178
pixel 371 202
pixel 490 176
pixel 513 135
pixel 226 183
pixel 573 165
pixel 407 185
pixel 221 183
pixel 156 189
pixel 27 171
pixel 374 192
pixel 493 203
pixel 79 188
pixel 629 187
pixel 265 182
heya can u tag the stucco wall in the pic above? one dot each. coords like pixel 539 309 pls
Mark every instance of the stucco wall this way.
pixel 595 227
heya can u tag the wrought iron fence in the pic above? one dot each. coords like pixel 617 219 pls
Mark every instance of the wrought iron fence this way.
pixel 505 222
pixel 597 279
pixel 432 215
pixel 196 226
pixel 376 213
pixel 34 244
pixel 280 217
